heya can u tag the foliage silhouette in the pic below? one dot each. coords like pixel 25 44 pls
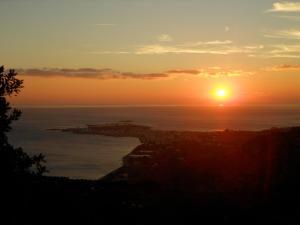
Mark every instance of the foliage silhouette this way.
pixel 14 161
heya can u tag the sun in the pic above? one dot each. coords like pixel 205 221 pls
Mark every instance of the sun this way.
pixel 221 93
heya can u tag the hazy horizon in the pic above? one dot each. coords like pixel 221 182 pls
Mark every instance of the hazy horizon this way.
pixel 151 105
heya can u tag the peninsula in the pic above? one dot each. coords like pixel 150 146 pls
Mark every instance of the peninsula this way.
pixel 251 163
pixel 176 177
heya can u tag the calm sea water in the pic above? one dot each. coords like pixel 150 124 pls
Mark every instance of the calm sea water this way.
pixel 89 156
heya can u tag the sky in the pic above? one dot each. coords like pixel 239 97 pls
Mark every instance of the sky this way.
pixel 158 52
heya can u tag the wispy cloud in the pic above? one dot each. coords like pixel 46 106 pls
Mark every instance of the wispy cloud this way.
pixel 285 7
pixel 212 72
pixel 207 48
pixel 284 34
pixel 184 71
pixel 102 74
pixel 106 74
pixel 279 51
pixel 207 43
pixel 164 38
pixel 217 48
pixel 216 42
pixel 214 47
pixel 284 67
pixel 255 47
pixel 286 48
pixel 267 55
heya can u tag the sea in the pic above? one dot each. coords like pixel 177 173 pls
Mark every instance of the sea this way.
pixel 94 156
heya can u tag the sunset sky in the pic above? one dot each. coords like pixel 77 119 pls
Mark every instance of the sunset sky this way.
pixel 158 52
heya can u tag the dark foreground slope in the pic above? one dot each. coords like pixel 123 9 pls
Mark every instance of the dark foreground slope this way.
pixel 230 177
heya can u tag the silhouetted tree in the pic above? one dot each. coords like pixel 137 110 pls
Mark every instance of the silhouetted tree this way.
pixel 14 160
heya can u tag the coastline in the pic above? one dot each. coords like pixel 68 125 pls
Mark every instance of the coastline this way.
pixel 216 177
pixel 224 155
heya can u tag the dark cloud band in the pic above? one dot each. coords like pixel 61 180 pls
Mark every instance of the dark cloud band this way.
pixel 90 73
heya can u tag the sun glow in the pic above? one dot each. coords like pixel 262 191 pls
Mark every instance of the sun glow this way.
pixel 221 93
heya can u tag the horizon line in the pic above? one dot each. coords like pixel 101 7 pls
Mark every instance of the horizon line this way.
pixel 148 105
